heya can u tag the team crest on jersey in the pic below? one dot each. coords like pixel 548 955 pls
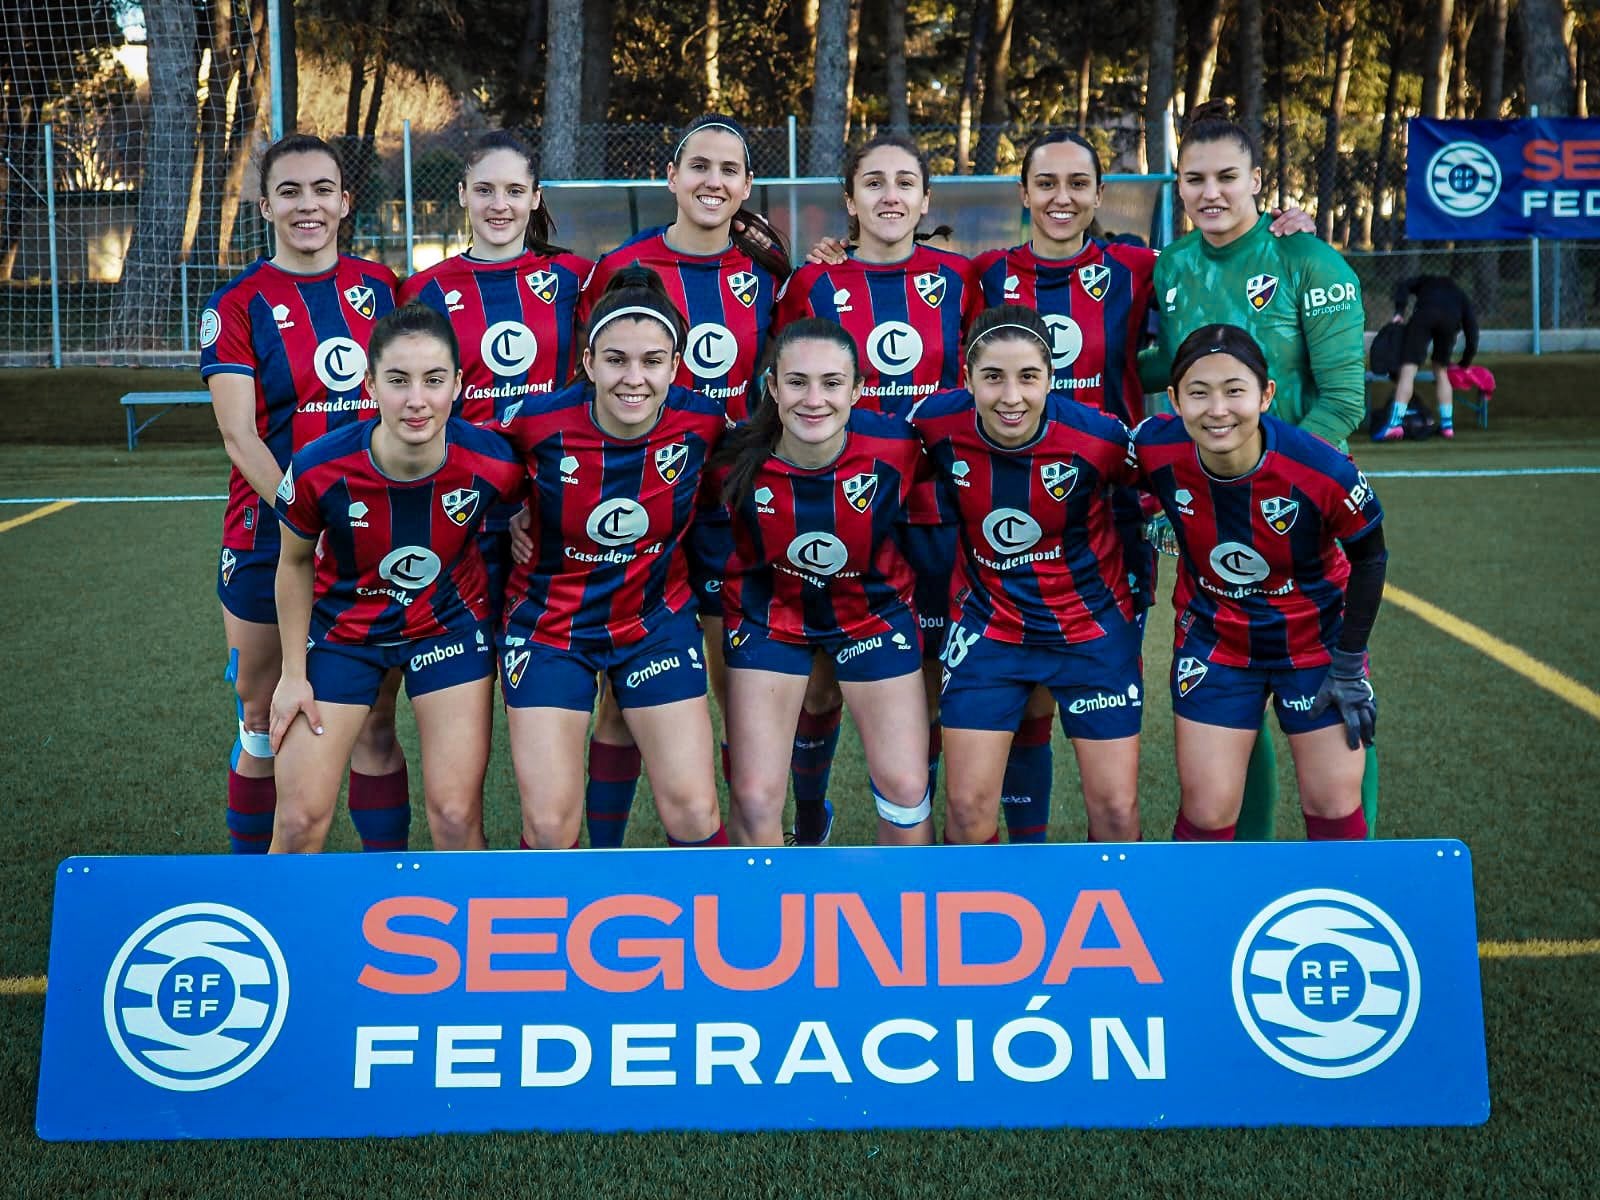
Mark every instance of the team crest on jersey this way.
pixel 931 287
pixel 460 504
pixel 744 286
pixel 1280 513
pixel 229 562
pixel 1190 672
pixel 859 490
pixel 361 299
pixel 544 284
pixel 1260 289
pixel 516 664
pixel 286 485
pixel 1058 479
pixel 670 460
pixel 1096 280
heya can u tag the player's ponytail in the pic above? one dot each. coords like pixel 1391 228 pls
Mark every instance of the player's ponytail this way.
pixel 1219 339
pixel 852 164
pixel 1008 323
pixel 415 318
pixel 541 221
pixel 1213 122
pixel 755 235
pixel 747 446
pixel 637 292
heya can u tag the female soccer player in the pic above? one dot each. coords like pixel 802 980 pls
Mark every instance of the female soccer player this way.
pixel 1295 295
pixel 1044 597
pixel 616 464
pixel 400 585
pixel 1268 604
pixel 723 279
pixel 905 305
pixel 816 490
pixel 283 352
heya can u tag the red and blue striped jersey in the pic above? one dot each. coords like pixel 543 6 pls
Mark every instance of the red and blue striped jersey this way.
pixel 303 339
pixel 815 552
pixel 907 319
pixel 727 300
pixel 1261 581
pixel 609 516
pixel 1096 304
pixel 1040 561
pixel 515 321
pixel 398 560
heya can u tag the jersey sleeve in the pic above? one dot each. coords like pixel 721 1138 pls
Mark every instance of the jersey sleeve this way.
pixel 589 292
pixel 794 299
pixel 1155 360
pixel 1357 509
pixel 416 288
pixel 1331 321
pixel 296 504
pixel 225 343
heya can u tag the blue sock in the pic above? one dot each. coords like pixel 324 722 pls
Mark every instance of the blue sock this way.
pixel 816 737
pixel 607 801
pixel 935 745
pixel 380 806
pixel 1025 795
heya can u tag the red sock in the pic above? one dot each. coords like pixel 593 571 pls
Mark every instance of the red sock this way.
pixel 727 764
pixel 1185 830
pixel 1337 829
pixel 719 838
pixel 380 808
pixel 992 840
pixel 1034 731
pixel 522 843
pixel 935 740
pixel 251 804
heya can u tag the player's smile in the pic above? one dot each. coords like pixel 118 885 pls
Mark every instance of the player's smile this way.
pixel 814 385
pixel 305 204
pixel 888 196
pixel 1009 378
pixel 632 367
pixel 1220 403
pixel 710 180
pixel 1062 194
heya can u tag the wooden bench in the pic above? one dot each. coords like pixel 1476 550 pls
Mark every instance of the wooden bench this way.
pixel 1479 407
pixel 132 402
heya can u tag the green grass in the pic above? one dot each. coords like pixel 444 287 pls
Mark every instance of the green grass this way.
pixel 116 721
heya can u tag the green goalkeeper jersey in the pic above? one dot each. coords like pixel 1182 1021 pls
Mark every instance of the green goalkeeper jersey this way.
pixel 1295 295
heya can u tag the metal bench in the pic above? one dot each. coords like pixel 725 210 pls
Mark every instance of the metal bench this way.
pixel 1479 407
pixel 132 402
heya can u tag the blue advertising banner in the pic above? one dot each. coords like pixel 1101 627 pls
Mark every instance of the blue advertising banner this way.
pixel 1147 985
pixel 1476 180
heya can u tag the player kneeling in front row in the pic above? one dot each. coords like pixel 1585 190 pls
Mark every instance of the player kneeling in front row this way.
pixel 1268 603
pixel 400 582
pixel 816 490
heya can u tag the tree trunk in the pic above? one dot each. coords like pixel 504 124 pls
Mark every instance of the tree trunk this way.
pixel 1085 76
pixel 712 55
pixel 996 88
pixel 563 89
pixel 216 34
pixel 248 113
pixel 1342 28
pixel 976 42
pixel 854 43
pixel 380 75
pixel 895 70
pixel 1391 105
pixel 1252 67
pixel 358 82
pixel 1546 69
pixel 595 109
pixel 288 46
pixel 520 110
pixel 1494 81
pixel 1436 59
pixel 1460 35
pixel 830 76
pixel 1163 16
pixel 1204 33
pixel 1282 78
pixel 145 301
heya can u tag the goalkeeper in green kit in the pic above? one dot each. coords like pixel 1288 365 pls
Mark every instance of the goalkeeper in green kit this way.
pixel 1299 299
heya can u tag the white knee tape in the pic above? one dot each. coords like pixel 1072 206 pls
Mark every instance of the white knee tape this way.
pixel 256 745
pixel 898 814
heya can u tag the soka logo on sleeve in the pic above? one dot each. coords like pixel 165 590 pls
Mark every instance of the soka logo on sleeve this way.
pixel 508 348
pixel 1326 984
pixel 894 348
pixel 340 363
pixel 710 350
pixel 1260 289
pixel 195 997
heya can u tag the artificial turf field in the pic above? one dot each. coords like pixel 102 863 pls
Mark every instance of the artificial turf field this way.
pixel 116 722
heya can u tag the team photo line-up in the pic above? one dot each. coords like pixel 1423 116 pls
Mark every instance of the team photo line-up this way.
pixel 894 479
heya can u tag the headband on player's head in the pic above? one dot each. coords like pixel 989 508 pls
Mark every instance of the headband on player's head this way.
pixel 635 310
pixel 1033 333
pixel 678 153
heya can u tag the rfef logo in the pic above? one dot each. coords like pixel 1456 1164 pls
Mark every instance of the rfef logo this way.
pixel 195 997
pixel 1325 983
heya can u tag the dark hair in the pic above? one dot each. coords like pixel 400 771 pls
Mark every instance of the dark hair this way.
pixel 1219 339
pixel 298 143
pixel 1008 323
pixel 1213 122
pixel 757 236
pixel 541 221
pixel 852 164
pixel 747 446
pixel 1055 138
pixel 413 318
pixel 637 286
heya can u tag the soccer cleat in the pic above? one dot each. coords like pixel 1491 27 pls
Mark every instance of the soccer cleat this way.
pixel 1394 433
pixel 793 837
pixel 1447 432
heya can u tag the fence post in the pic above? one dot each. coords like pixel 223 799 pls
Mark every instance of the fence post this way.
pixel 1533 243
pixel 183 299
pixel 405 136
pixel 275 64
pixel 794 191
pixel 1169 161
pixel 55 265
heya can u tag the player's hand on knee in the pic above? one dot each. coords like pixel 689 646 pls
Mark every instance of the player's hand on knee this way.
pixel 521 539
pixel 1346 688
pixel 828 252
pixel 292 698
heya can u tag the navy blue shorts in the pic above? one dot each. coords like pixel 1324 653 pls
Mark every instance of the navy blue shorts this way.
pixel 932 550
pixel 1098 685
pixel 495 546
pixel 245 582
pixel 351 673
pixel 856 660
pixel 708 546
pixel 663 667
pixel 1235 697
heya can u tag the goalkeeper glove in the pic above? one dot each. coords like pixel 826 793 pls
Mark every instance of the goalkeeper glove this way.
pixel 1346 688
pixel 1159 533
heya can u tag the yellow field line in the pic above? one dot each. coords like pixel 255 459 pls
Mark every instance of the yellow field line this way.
pixel 1538 673
pixel 27 985
pixel 35 514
